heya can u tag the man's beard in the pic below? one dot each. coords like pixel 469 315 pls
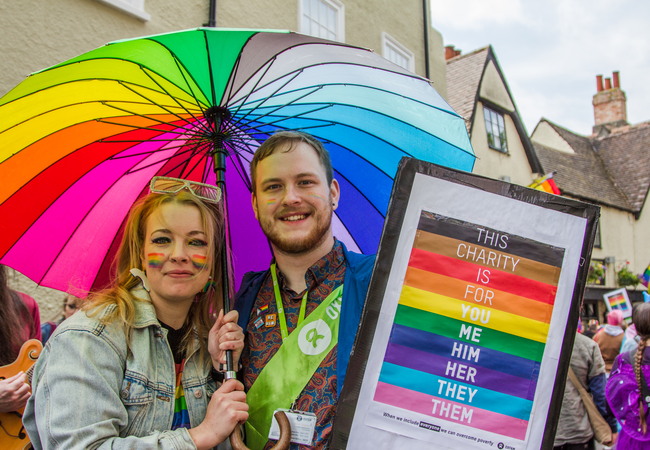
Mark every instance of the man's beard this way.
pixel 297 246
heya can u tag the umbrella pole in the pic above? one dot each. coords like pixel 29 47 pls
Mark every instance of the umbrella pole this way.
pixel 215 116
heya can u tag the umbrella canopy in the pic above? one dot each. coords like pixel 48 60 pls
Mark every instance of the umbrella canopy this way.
pixel 80 141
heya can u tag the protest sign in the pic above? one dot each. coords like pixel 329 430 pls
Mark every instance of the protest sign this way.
pixel 619 299
pixel 470 318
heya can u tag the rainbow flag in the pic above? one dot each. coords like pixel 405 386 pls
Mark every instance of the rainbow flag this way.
pixel 471 326
pixel 645 277
pixel 617 302
pixel 546 184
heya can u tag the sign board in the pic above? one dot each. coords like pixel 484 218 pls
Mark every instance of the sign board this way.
pixel 619 299
pixel 470 318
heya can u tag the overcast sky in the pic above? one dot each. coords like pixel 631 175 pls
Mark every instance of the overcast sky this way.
pixel 550 52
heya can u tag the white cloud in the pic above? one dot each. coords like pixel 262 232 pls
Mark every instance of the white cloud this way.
pixel 472 14
pixel 551 51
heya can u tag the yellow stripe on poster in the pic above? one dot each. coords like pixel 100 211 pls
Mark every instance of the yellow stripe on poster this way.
pixel 481 316
pixel 478 294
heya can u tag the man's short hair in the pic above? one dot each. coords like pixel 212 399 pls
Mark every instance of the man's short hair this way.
pixel 290 139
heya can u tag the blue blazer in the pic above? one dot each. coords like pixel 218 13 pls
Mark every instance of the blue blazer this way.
pixel 355 288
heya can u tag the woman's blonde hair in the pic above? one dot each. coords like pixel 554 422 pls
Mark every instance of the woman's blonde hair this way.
pixel 130 255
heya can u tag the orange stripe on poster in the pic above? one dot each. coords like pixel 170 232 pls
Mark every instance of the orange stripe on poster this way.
pixel 478 295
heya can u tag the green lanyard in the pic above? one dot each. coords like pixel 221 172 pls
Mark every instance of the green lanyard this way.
pixel 278 300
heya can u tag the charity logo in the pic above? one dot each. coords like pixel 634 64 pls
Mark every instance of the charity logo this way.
pixel 314 338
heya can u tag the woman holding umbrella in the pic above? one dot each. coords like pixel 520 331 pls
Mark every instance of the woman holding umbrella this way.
pixel 137 369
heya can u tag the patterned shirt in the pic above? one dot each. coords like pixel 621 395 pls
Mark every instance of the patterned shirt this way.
pixel 264 339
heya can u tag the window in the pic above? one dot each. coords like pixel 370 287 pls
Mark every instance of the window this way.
pixel 397 53
pixel 496 130
pixel 597 242
pixel 133 8
pixel 322 18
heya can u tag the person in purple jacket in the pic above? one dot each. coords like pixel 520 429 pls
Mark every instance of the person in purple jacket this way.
pixel 627 388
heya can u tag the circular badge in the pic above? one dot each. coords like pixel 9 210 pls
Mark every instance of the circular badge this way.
pixel 314 338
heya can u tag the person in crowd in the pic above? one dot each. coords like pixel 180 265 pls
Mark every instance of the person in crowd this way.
pixel 630 338
pixel 627 388
pixel 574 430
pixel 19 322
pixel 610 337
pixel 70 306
pixel 136 368
pixel 294 196
pixel 591 328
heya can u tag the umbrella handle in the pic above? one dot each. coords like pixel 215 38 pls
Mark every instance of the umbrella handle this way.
pixel 282 444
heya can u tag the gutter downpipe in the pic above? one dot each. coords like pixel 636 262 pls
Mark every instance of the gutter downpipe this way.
pixel 212 22
pixel 426 39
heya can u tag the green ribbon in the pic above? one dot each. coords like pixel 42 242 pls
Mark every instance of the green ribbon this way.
pixel 288 372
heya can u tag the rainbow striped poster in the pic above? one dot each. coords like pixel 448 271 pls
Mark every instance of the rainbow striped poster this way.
pixel 465 338
pixel 470 327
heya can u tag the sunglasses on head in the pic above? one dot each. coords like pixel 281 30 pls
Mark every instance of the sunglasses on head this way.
pixel 167 185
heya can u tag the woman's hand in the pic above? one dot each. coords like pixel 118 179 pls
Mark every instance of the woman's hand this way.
pixel 14 393
pixel 226 335
pixel 226 409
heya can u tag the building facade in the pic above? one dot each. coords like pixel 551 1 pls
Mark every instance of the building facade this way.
pixel 41 33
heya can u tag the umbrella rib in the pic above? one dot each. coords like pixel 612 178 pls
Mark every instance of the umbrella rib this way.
pixel 134 113
pixel 239 166
pixel 146 71
pixel 207 48
pixel 243 101
pixel 280 107
pixel 78 224
pixel 161 106
pixel 180 66
pixel 151 152
pixel 204 156
pixel 138 127
pixel 157 162
pixel 186 162
pixel 247 128
pixel 396 119
pixel 231 79
pixel 266 98
pixel 453 113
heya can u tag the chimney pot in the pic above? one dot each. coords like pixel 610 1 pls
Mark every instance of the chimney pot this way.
pixel 610 109
pixel 449 52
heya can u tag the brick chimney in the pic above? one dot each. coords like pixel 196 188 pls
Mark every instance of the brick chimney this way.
pixel 610 109
pixel 450 52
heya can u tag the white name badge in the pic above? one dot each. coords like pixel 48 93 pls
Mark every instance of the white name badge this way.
pixel 302 423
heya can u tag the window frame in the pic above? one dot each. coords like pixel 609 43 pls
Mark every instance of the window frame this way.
pixel 134 8
pixel 598 243
pixel 503 138
pixel 340 18
pixel 388 41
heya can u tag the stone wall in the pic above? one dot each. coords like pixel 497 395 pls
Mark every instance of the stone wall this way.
pixel 50 301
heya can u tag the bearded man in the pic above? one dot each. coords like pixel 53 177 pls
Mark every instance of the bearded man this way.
pixel 301 315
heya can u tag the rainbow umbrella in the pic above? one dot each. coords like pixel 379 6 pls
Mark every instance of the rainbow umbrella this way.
pixel 80 141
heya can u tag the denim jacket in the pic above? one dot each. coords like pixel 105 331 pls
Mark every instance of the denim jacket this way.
pixel 89 391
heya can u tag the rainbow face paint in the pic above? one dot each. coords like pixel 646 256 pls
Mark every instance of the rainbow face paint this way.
pixel 155 260
pixel 200 262
pixel 270 202
pixel 320 197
